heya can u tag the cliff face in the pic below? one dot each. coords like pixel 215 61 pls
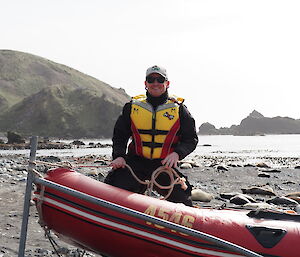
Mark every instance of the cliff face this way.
pixel 44 98
pixel 256 124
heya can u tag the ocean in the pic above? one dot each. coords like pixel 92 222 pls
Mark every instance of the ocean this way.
pixel 251 147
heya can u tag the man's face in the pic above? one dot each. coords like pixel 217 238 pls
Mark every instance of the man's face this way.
pixel 156 85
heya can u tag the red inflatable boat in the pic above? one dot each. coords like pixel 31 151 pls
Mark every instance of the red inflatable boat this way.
pixel 112 233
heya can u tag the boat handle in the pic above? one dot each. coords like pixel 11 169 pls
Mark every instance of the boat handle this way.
pixel 268 237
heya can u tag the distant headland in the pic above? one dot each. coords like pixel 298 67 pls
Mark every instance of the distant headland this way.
pixel 255 124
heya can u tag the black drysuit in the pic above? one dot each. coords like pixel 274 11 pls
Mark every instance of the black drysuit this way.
pixel 144 167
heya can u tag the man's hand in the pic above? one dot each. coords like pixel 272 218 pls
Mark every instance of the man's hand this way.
pixel 171 160
pixel 118 163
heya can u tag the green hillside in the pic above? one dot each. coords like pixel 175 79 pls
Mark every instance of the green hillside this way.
pixel 40 97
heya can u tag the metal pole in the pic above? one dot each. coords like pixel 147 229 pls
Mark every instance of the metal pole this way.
pixel 220 242
pixel 27 198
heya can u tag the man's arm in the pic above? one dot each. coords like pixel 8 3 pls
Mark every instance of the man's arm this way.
pixel 188 135
pixel 122 133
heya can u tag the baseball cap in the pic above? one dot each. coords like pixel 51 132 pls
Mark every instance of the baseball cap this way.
pixel 157 69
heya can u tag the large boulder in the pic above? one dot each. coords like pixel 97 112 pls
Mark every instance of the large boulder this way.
pixel 14 138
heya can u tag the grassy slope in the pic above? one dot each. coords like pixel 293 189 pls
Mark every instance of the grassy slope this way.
pixel 51 99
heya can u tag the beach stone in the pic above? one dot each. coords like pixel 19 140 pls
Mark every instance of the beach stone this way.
pixel 233 165
pixel 51 159
pixel 289 182
pixel 21 168
pixel 220 167
pixel 282 200
pixel 266 190
pixel 101 162
pixel 92 173
pixel 263 175
pixel 186 166
pixel 14 138
pixel 78 142
pixel 239 200
pixel 250 198
pixel 249 165
pixel 43 252
pixel 200 195
pixel 255 206
pixel 262 165
pixel 229 195
pixel 297 167
pixel 295 198
pixel 192 163
pixel 270 170
pixel 293 194
pixel 297 208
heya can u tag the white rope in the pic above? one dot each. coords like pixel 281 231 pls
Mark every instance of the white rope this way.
pixel 162 169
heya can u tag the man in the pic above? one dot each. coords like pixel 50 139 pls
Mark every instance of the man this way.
pixel 162 132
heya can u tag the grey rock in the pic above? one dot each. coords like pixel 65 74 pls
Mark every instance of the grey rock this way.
pixel 263 175
pixel 262 165
pixel 282 200
pixel 228 195
pixel 255 206
pixel 186 166
pixel 239 200
pixel 200 195
pixel 293 194
pixel 270 170
pixel 220 167
pixel 266 190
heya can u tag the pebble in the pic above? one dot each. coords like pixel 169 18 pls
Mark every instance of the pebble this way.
pixel 220 167
pixel 228 195
pixel 255 206
pixel 186 166
pixel 249 165
pixel 200 195
pixel 282 200
pixel 262 165
pixel 293 194
pixel 270 170
pixel 239 200
pixel 264 175
pixel 259 190
pixel 295 198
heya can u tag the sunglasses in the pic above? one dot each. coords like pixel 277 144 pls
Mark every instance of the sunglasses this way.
pixel 159 79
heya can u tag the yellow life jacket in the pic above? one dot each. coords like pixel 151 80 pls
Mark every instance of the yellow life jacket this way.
pixel 154 131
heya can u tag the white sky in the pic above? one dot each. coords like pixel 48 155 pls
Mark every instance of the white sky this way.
pixel 225 57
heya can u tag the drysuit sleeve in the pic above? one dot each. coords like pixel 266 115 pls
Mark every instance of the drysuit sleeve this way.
pixel 188 138
pixel 122 133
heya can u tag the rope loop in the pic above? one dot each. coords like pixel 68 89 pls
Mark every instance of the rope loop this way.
pixel 174 180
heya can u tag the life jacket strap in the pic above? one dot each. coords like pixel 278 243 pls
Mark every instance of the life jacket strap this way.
pixel 153 132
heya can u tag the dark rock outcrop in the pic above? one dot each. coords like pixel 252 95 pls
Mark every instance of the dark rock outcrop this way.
pixel 256 124
pixel 208 129
pixel 14 138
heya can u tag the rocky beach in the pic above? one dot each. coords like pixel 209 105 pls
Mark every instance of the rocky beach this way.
pixel 221 181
